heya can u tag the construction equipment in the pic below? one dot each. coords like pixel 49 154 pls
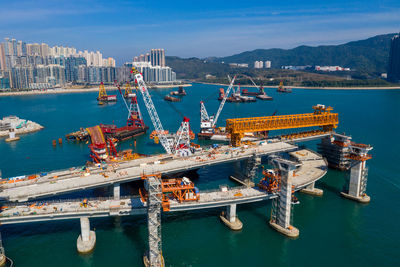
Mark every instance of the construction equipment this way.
pixel 128 90
pixel 178 189
pixel 322 117
pixel 103 97
pixel 207 123
pixel 180 144
pixel 271 181
pixel 283 89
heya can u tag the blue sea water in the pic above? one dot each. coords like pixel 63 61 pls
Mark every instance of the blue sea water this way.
pixel 333 231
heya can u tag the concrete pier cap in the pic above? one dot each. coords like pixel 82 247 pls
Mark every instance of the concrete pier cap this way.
pixel 87 239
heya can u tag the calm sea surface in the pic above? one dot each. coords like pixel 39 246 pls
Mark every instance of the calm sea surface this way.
pixel 333 231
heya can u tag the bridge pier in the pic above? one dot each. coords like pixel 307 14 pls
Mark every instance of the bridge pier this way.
pixel 87 239
pixel 230 219
pixel 311 190
pixel 154 257
pixel 116 191
pixel 356 183
pixel 282 206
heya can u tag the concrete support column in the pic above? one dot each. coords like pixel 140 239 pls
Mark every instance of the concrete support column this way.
pixel 230 219
pixel 285 199
pixel 116 190
pixel 356 183
pixel 231 213
pixel 282 219
pixel 311 190
pixel 87 239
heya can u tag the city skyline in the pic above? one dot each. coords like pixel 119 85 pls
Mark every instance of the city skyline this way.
pixel 122 29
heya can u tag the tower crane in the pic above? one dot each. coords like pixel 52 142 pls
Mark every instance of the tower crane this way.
pixel 179 144
pixel 207 123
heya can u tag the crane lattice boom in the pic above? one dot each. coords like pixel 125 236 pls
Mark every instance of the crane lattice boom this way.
pixel 167 143
pixel 223 102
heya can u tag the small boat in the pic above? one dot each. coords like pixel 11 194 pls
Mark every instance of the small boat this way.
pixel 180 92
pixel 295 200
pixel 264 97
pixel 171 98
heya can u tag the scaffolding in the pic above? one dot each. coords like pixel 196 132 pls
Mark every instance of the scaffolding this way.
pixel 251 167
pixel 154 220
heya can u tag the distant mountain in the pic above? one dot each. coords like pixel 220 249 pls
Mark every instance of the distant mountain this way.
pixel 370 55
pixel 195 68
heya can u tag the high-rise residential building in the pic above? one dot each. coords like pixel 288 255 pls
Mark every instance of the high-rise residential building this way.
pixel 267 64
pixel 109 62
pixel 2 58
pixel 21 48
pixel 38 66
pixel 157 57
pixel 44 50
pixel 258 64
pixel 394 60
pixel 10 53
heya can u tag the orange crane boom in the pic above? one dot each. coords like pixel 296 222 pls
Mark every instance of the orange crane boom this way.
pixel 322 117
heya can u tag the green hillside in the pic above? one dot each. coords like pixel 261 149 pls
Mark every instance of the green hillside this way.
pixel 369 56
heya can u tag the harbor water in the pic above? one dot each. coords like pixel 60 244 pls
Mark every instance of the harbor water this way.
pixel 333 231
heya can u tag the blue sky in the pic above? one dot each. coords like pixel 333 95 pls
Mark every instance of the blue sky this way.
pixel 123 29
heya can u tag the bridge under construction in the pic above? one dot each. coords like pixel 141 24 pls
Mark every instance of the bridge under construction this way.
pixel 295 169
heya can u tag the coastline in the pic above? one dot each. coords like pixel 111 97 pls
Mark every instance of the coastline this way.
pixel 319 88
pixel 80 90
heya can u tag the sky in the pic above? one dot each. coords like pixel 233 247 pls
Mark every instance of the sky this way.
pixel 123 29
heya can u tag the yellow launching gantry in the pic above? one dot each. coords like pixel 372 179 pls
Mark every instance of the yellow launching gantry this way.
pixel 322 117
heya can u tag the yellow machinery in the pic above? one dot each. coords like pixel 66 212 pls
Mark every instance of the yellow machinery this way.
pixel 102 92
pixel 128 90
pixel 322 117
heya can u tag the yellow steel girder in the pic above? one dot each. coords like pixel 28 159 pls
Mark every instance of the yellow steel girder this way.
pixel 237 127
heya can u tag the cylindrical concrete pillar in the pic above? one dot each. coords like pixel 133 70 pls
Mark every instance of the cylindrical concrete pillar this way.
pixel 87 239
pixel 231 213
pixel 116 191
pixel 85 228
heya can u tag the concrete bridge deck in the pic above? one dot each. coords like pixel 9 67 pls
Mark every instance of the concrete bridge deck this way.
pixel 313 167
pixel 67 181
